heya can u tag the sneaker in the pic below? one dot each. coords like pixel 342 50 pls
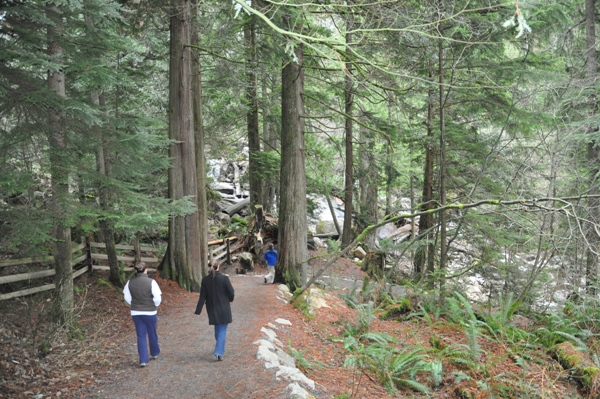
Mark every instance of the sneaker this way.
pixel 218 357
pixel 143 364
pixel 153 357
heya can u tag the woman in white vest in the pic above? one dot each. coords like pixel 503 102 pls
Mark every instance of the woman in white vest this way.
pixel 144 296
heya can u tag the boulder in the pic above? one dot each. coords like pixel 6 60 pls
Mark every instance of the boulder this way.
pixel 325 227
pixel 247 261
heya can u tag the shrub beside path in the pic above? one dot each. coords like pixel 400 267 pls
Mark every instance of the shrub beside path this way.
pixel 186 367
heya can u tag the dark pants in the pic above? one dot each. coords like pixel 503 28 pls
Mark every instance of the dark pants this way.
pixel 146 326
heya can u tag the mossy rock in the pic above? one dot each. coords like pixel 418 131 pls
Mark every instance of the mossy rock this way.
pixel 397 310
pixel 247 261
pixel 578 364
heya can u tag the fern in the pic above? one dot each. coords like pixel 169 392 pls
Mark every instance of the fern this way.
pixel 472 331
pixel 436 369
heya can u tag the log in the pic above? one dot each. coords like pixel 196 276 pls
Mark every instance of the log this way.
pixel 333 216
pixel 404 229
pixel 578 364
pixel 236 207
pixel 326 235
pixel 221 241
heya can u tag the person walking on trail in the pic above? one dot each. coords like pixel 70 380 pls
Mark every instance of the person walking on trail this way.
pixel 144 296
pixel 217 293
pixel 271 258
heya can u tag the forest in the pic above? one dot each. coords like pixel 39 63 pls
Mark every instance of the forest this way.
pixel 470 124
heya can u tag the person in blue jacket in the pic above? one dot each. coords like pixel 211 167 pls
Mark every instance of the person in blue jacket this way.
pixel 271 258
pixel 217 293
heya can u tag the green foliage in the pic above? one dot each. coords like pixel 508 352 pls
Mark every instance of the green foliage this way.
pixel 393 367
pixel 301 361
pixel 333 246
pixel 558 328
pixel 103 283
pixel 498 323
pixel 396 309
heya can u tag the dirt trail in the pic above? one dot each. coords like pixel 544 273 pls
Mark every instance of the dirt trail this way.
pixel 186 367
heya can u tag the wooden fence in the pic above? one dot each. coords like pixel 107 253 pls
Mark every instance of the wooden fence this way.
pixel 222 253
pixel 91 252
pixel 39 274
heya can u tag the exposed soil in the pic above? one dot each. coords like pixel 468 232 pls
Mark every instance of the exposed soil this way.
pixel 102 362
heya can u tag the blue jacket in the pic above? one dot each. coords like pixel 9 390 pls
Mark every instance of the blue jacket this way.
pixel 271 257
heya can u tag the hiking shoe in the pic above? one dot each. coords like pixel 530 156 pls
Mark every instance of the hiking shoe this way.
pixel 143 364
pixel 153 357
pixel 218 357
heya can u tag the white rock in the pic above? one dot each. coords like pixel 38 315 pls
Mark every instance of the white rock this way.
pixel 285 359
pixel 264 342
pixel 297 392
pixel 283 321
pixel 294 374
pixel 271 359
pixel 271 335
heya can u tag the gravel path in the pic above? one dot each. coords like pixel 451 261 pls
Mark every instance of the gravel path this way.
pixel 186 367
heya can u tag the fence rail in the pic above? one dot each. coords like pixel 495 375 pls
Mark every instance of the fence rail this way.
pixel 222 254
pixel 39 274
pixel 90 254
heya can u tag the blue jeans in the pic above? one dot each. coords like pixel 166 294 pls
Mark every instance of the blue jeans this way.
pixel 146 326
pixel 221 337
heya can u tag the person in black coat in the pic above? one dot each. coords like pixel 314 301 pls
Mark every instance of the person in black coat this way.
pixel 217 292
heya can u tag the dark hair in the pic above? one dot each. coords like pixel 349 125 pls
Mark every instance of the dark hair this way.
pixel 140 267
pixel 271 246
pixel 213 267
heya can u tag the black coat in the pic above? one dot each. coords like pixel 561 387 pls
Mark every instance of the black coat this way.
pixel 217 292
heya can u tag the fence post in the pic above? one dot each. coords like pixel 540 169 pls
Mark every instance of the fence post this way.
pixel 228 252
pixel 88 252
pixel 136 248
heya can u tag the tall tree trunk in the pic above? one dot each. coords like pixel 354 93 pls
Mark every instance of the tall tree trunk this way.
pixel 593 153
pixel 389 167
pixel 424 255
pixel 368 177
pixel 272 143
pixel 199 139
pixel 443 227
pixel 292 206
pixel 106 227
pixel 182 176
pixel 103 168
pixel 63 279
pixel 349 170
pixel 254 172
